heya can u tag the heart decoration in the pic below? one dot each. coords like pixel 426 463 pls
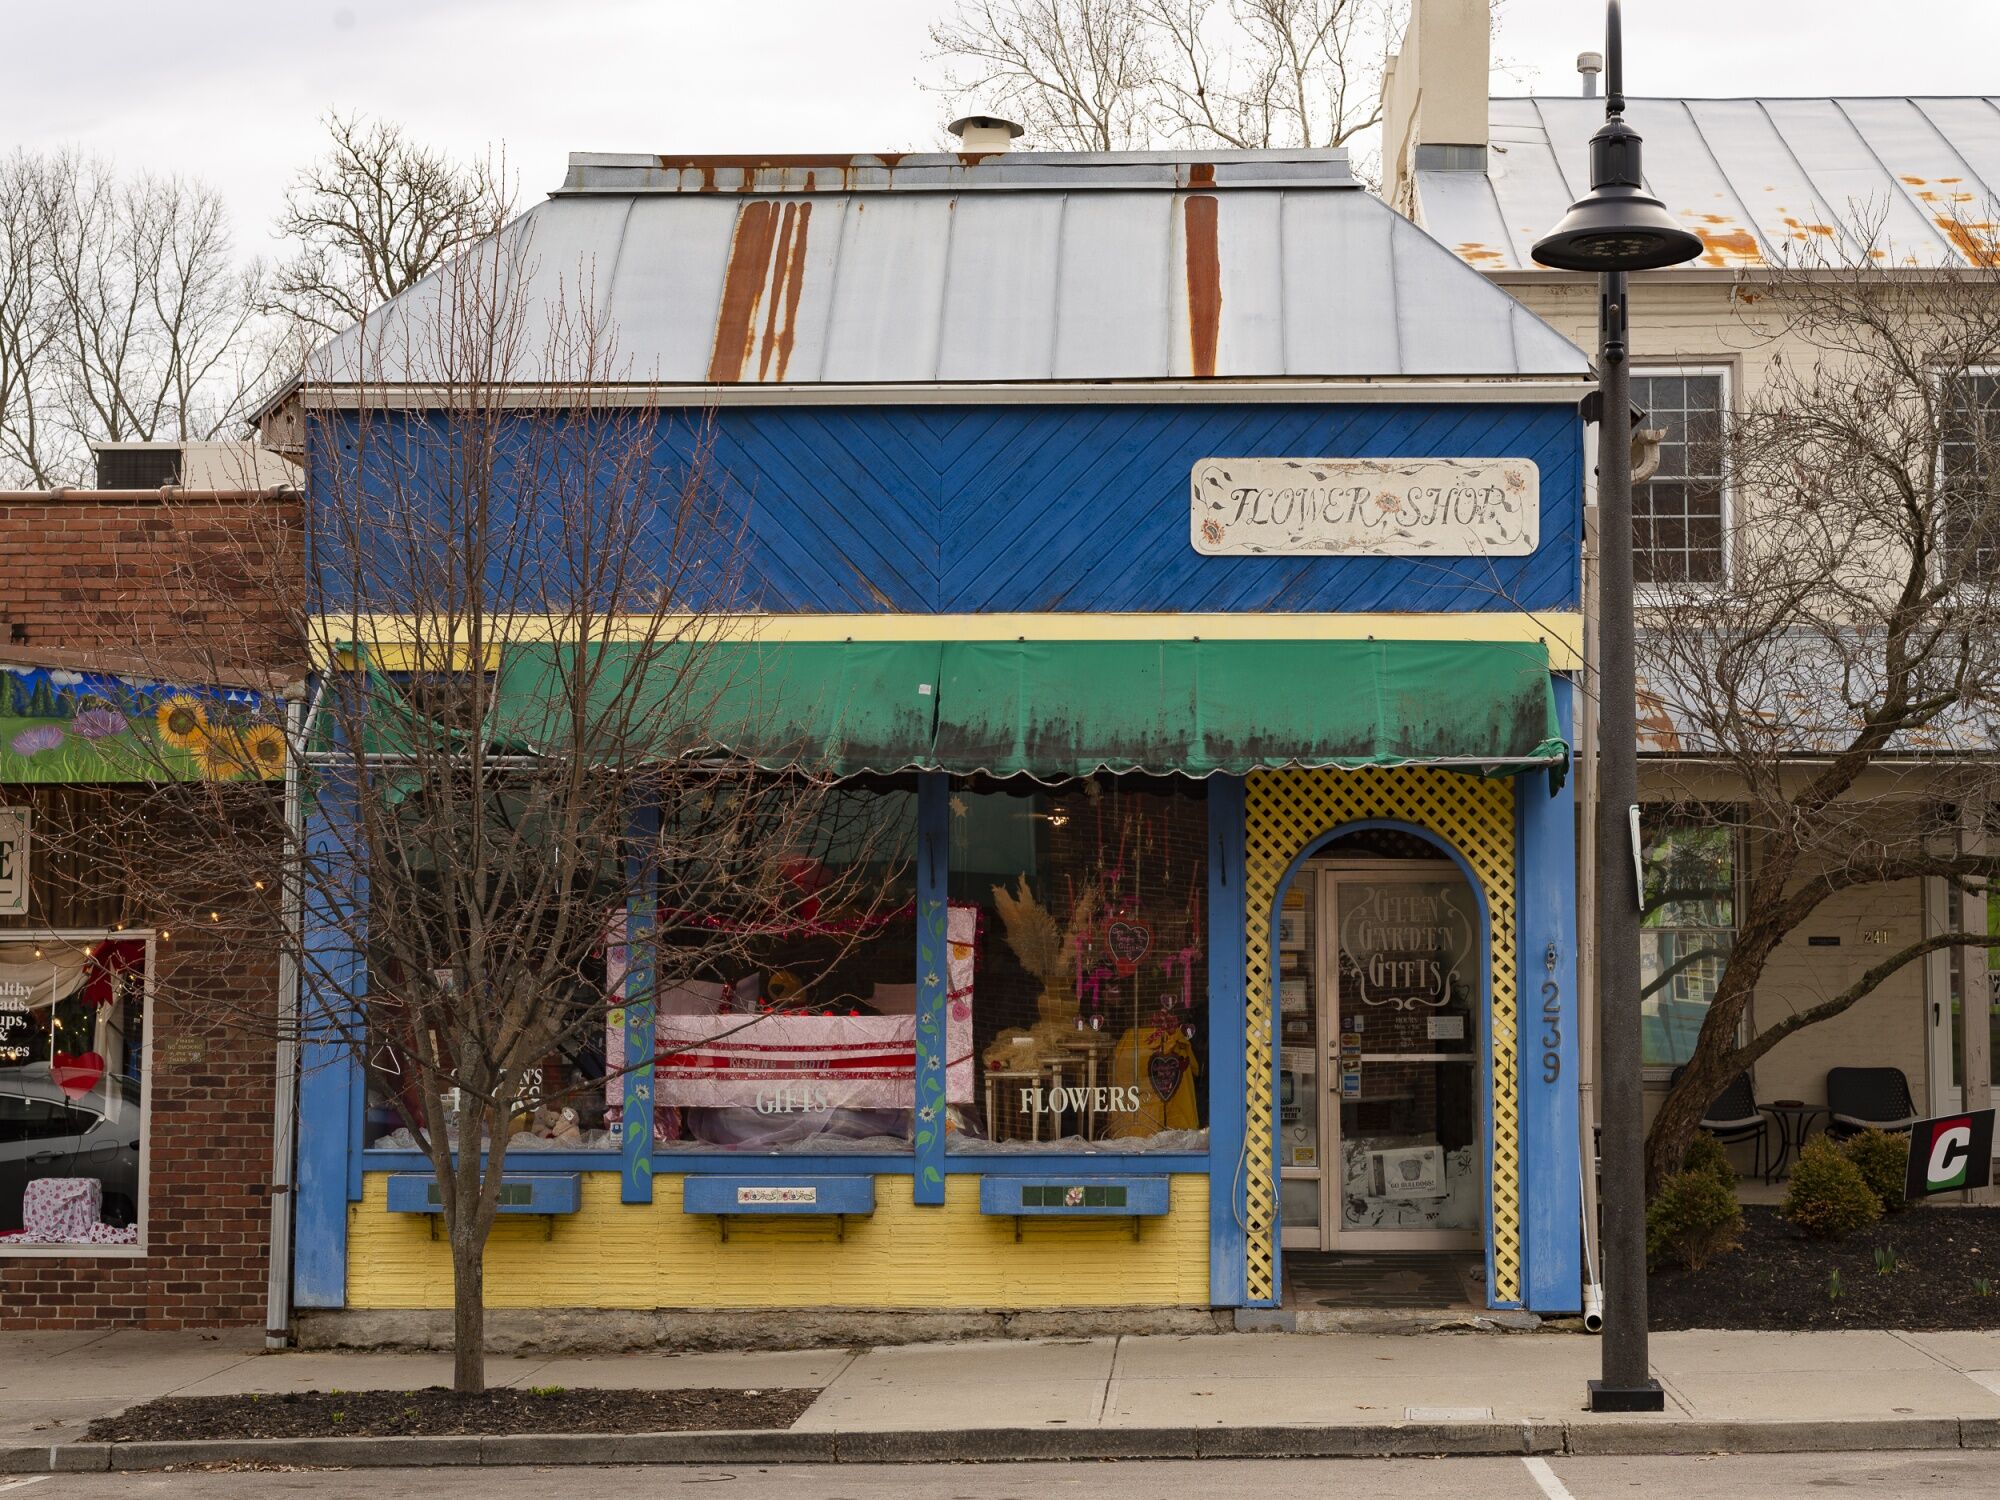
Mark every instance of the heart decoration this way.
pixel 1163 1071
pixel 1129 941
pixel 76 1075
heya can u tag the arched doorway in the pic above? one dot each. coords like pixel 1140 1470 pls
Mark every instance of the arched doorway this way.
pixel 1383 1021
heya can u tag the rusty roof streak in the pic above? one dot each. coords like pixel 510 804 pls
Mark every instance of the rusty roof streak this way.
pixel 1204 282
pixel 742 289
pixel 1765 174
pixel 1731 247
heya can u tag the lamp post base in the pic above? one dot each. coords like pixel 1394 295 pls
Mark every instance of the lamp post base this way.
pixel 1607 1397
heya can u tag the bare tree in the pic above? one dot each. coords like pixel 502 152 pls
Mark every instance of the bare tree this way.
pixel 372 217
pixel 1106 75
pixel 124 313
pixel 527 734
pixel 1837 696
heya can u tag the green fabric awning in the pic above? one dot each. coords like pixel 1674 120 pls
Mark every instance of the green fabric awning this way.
pixel 1057 709
pixel 1060 708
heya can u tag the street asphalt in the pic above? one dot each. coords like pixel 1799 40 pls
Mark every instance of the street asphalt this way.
pixel 1790 1477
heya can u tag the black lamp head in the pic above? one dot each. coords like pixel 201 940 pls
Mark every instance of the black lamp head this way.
pixel 1617 226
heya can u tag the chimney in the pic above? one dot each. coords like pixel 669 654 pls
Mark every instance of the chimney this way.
pixel 984 135
pixel 1434 94
pixel 1590 64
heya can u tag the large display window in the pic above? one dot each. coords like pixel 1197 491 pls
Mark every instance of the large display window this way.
pixel 1084 915
pixel 73 1015
pixel 797 1034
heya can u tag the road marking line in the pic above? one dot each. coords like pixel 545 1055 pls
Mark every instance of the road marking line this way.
pixel 1543 1475
pixel 21 1484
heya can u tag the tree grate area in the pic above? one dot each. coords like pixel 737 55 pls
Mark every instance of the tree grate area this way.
pixel 437 1412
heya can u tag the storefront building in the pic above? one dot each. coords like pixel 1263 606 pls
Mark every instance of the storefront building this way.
pixel 1182 554
pixel 135 1102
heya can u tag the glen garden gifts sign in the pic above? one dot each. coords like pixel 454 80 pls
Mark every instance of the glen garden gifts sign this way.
pixel 13 861
pixel 1949 1153
pixel 1366 507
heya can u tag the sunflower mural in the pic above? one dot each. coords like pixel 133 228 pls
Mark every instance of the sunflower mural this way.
pixel 68 726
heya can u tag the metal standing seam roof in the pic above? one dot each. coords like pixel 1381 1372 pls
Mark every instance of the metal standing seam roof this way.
pixel 1756 179
pixel 1028 267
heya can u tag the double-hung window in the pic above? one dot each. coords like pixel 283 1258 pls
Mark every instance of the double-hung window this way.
pixel 1680 516
pixel 1970 472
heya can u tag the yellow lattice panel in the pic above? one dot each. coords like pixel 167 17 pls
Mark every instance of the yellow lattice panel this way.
pixel 1285 811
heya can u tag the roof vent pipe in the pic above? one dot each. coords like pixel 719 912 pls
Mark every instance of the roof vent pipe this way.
pixel 984 134
pixel 1590 64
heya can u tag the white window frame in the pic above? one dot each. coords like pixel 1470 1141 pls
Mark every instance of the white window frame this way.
pixel 1972 372
pixel 1661 593
pixel 9 1251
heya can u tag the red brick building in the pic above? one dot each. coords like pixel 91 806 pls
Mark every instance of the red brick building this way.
pixel 135 1132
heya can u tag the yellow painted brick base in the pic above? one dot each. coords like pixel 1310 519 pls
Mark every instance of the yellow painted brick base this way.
pixel 612 1254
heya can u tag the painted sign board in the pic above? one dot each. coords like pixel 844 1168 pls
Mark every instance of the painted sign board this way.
pixel 1365 507
pixel 13 861
pixel 1950 1153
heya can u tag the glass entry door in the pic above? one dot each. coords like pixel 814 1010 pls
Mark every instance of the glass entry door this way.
pixel 1398 1014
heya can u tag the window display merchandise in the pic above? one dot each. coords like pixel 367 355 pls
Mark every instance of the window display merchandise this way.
pixel 72 1058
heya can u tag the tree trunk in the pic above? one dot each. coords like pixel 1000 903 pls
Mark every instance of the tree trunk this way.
pixel 468 1304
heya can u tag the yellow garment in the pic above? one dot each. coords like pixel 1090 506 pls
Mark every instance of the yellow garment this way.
pixel 1158 1071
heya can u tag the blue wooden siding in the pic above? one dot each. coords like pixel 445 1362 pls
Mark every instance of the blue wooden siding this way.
pixel 974 509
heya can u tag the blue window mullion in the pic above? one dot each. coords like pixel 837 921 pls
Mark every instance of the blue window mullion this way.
pixel 927 1127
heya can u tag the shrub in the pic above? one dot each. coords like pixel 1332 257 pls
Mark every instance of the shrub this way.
pixel 1882 1159
pixel 1828 1198
pixel 1706 1154
pixel 1692 1219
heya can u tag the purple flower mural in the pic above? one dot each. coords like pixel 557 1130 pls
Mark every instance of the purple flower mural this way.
pixel 99 723
pixel 41 737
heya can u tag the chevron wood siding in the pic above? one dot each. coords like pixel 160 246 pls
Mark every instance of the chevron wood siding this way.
pixel 971 509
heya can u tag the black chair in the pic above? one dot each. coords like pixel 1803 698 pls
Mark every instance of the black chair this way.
pixel 1733 1116
pixel 1859 1099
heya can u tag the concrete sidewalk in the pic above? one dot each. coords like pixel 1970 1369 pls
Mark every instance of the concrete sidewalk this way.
pixel 1862 1388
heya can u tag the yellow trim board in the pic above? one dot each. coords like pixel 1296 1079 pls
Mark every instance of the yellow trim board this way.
pixel 611 1254
pixel 1560 630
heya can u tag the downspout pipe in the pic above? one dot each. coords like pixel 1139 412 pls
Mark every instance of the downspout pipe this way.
pixel 285 1108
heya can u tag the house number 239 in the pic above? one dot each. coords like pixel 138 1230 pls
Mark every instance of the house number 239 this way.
pixel 1552 1034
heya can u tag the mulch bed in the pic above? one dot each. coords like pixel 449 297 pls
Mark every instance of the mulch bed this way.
pixel 1779 1279
pixel 438 1412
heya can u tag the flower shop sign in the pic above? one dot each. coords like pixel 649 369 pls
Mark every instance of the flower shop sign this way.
pixel 13 861
pixel 1365 507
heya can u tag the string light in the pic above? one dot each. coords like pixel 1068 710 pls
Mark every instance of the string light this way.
pixel 215 916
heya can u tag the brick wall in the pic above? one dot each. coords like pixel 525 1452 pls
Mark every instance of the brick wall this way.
pixel 207 1214
pixel 83 574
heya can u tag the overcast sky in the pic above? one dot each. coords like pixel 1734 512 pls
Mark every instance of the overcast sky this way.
pixel 230 90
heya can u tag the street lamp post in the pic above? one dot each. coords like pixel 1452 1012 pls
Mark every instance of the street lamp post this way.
pixel 1615 229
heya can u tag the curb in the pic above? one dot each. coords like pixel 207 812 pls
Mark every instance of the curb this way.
pixel 1025 1444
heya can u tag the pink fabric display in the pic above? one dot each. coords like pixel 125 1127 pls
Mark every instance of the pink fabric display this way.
pixel 61 1209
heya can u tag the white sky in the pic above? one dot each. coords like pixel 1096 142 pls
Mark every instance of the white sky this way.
pixel 230 90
